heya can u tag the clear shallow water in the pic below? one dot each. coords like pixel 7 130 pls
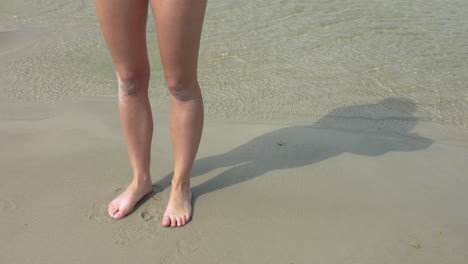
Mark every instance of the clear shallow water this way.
pixel 296 61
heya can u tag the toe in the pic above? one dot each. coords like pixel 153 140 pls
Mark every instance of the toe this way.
pixel 166 221
pixel 119 215
pixel 179 221
pixel 111 207
pixel 173 222
pixel 112 211
pixel 186 218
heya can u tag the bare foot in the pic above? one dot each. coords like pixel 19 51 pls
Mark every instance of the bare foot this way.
pixel 124 203
pixel 179 208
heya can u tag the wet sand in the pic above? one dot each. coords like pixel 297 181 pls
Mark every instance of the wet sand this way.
pixel 264 193
pixel 259 60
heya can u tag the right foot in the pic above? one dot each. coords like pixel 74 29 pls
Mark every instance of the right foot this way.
pixel 124 203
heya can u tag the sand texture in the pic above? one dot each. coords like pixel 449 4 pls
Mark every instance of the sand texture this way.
pixel 264 193
pixel 336 132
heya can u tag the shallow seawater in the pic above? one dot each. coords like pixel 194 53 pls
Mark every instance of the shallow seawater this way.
pixel 387 61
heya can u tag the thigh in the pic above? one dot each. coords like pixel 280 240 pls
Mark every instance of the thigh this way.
pixel 123 26
pixel 178 27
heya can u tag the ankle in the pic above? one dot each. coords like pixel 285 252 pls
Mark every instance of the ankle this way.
pixel 180 185
pixel 140 179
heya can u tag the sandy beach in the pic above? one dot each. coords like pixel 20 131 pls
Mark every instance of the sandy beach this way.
pixel 335 133
pixel 264 193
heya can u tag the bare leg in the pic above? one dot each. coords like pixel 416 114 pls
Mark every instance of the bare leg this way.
pixel 123 24
pixel 179 25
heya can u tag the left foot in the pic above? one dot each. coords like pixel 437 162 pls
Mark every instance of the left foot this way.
pixel 179 208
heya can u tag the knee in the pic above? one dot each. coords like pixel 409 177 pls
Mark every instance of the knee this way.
pixel 132 83
pixel 182 90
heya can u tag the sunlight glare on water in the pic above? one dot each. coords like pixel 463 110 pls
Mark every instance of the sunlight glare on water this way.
pixel 261 60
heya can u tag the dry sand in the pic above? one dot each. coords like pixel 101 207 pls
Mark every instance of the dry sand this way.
pixel 264 193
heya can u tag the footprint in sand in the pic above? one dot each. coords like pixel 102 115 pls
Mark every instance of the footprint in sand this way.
pixel 142 223
pixel 185 248
pixel 146 226
pixel 7 205
pixel 129 229
pixel 127 235
pixel 99 214
pixel 147 215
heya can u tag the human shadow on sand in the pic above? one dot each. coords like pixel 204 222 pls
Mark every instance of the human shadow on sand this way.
pixel 383 127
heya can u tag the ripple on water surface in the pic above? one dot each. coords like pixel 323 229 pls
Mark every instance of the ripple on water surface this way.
pixel 261 60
